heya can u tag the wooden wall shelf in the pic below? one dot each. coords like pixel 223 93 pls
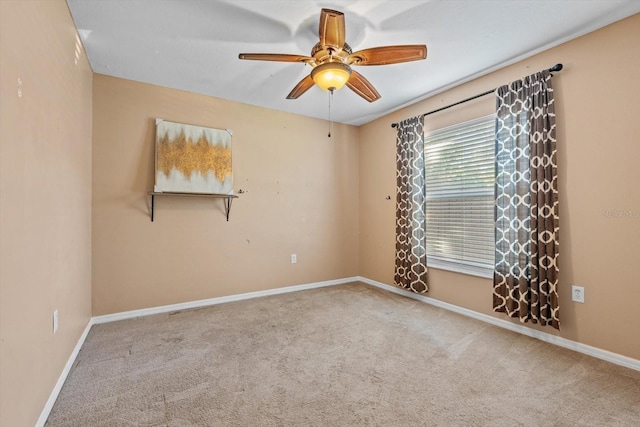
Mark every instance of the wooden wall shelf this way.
pixel 228 198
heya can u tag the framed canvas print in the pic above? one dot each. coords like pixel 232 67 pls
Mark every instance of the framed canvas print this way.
pixel 192 159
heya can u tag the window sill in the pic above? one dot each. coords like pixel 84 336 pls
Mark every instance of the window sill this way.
pixel 459 267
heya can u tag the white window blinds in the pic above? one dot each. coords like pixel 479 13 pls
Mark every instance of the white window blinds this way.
pixel 460 176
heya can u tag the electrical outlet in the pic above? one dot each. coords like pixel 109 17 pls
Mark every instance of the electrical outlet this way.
pixel 577 293
pixel 55 321
pixel 294 258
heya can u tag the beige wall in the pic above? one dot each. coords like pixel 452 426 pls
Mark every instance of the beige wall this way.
pixel 301 196
pixel 597 103
pixel 45 204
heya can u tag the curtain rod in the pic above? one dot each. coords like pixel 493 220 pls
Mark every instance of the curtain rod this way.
pixel 556 67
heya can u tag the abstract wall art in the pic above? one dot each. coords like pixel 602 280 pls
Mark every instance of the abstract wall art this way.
pixel 192 159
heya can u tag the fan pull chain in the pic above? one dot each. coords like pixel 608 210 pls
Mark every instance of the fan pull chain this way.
pixel 330 122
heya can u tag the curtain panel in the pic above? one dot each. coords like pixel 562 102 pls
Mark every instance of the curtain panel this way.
pixel 411 254
pixel 526 202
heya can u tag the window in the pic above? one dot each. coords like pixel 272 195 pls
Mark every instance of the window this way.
pixel 459 185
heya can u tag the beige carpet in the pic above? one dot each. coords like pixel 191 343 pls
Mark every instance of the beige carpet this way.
pixel 349 355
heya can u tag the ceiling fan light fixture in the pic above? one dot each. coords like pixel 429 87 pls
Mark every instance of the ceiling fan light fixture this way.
pixel 331 76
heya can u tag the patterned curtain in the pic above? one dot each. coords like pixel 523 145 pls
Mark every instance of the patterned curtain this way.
pixel 411 254
pixel 526 207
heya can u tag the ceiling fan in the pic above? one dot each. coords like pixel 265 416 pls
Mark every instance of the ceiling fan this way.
pixel 331 59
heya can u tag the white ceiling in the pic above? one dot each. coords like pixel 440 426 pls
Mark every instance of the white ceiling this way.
pixel 193 45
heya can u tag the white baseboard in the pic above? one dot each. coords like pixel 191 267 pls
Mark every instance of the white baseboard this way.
pixel 598 353
pixel 63 377
pixel 213 301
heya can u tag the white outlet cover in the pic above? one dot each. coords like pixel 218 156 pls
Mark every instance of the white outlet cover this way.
pixel 577 294
pixel 294 258
pixel 55 321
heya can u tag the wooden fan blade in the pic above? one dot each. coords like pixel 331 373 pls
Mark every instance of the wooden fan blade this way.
pixel 279 57
pixel 362 87
pixel 388 55
pixel 332 28
pixel 304 85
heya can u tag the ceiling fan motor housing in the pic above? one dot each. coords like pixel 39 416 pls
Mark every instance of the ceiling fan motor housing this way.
pixel 322 54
